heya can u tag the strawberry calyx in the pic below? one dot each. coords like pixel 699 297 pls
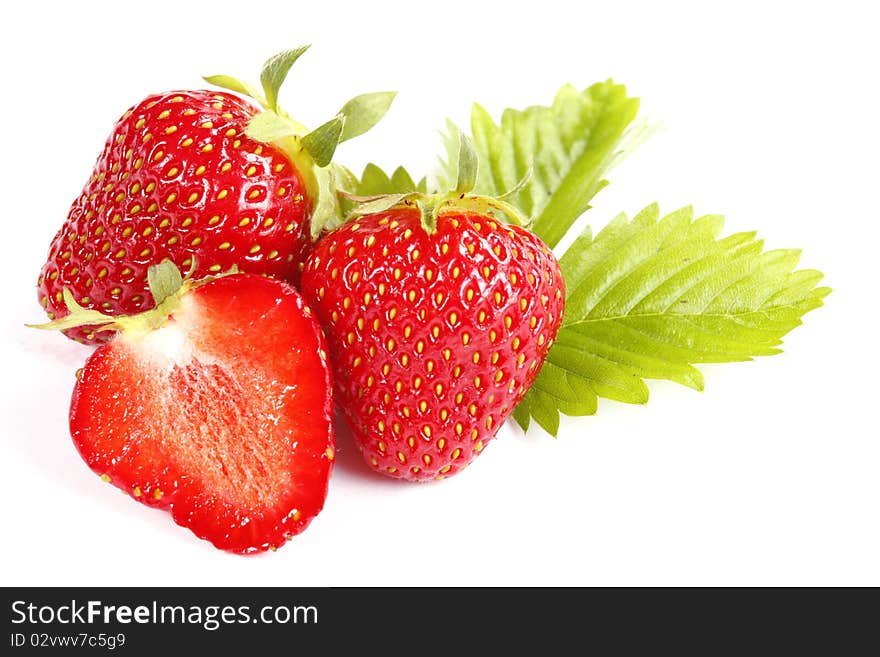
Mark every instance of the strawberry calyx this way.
pixel 167 286
pixel 458 200
pixel 431 206
pixel 310 152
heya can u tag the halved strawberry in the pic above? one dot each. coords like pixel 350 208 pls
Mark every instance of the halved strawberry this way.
pixel 216 406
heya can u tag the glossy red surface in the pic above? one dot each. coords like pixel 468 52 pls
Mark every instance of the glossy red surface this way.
pixel 433 338
pixel 177 179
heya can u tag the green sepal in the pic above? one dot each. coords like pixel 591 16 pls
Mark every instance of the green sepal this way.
pixel 236 85
pixel 309 152
pixel 428 207
pixel 491 206
pixel 467 165
pixel 270 126
pixel 373 205
pixel 373 183
pixel 77 316
pixel 363 112
pixel 346 181
pixel 355 118
pixel 321 142
pixel 320 180
pixel 327 210
pixel 164 280
pixel 427 204
pixel 275 72
pixel 167 288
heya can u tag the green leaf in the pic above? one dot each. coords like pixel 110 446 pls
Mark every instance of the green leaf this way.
pixel 555 390
pixel 363 112
pixel 375 182
pixel 321 142
pixel 567 147
pixel 401 180
pixel 274 73
pixel 650 297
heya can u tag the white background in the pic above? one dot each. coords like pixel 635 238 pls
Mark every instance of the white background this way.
pixel 770 114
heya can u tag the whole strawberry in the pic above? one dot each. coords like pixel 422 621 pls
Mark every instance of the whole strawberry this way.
pixel 205 179
pixel 438 317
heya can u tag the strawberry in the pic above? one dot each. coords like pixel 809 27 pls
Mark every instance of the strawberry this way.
pixel 438 318
pixel 216 405
pixel 183 177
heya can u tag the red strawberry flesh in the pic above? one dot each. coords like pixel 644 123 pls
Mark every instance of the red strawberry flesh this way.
pixel 222 416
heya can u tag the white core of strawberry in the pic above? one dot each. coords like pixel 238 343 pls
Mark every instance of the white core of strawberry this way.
pixel 168 344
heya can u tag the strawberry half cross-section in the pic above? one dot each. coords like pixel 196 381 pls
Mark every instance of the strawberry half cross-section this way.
pixel 215 406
